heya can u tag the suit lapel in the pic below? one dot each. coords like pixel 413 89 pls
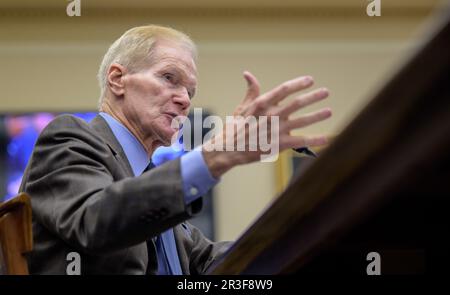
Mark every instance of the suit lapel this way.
pixel 104 131
pixel 102 128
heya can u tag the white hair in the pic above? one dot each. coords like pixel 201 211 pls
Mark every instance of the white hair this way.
pixel 134 50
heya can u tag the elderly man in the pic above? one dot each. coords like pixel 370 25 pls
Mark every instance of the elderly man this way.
pixel 91 192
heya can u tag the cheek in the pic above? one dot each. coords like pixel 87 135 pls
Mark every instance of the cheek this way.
pixel 151 95
pixel 141 89
pixel 142 83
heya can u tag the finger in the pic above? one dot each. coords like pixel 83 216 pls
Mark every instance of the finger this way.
pixel 304 141
pixel 252 86
pixel 303 101
pixel 309 119
pixel 287 88
pixel 315 140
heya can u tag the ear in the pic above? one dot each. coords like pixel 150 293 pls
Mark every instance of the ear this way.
pixel 115 81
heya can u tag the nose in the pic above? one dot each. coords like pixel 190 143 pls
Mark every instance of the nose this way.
pixel 182 98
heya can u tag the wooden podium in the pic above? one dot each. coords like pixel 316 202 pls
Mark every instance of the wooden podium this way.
pixel 382 186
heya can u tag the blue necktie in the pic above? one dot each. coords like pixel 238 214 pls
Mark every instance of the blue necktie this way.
pixel 168 261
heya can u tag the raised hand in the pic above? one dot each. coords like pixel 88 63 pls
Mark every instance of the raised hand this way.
pixel 265 116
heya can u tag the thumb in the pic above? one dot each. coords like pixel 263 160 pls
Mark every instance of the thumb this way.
pixel 252 86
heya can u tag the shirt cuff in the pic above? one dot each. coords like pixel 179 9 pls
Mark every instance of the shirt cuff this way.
pixel 197 180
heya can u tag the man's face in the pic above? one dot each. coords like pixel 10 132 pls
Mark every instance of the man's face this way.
pixel 157 94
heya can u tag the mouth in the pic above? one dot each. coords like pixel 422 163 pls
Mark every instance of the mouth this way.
pixel 172 117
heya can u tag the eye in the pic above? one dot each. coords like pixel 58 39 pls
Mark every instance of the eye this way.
pixel 169 77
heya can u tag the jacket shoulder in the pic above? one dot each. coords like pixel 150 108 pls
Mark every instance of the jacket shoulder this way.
pixel 68 128
pixel 66 121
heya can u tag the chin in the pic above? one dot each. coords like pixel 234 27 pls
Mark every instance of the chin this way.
pixel 167 135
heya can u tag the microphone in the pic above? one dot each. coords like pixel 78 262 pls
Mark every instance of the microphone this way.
pixel 305 150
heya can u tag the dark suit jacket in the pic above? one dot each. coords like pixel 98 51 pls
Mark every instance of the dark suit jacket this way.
pixel 85 199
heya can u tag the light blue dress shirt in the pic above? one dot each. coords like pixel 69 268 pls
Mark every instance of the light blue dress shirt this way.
pixel 197 180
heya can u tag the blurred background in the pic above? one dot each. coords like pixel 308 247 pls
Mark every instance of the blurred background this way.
pixel 50 62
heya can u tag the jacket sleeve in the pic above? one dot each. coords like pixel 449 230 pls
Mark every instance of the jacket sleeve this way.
pixel 197 253
pixel 71 178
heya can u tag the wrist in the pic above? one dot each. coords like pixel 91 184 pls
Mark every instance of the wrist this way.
pixel 218 162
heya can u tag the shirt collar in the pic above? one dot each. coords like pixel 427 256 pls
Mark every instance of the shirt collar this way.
pixel 133 149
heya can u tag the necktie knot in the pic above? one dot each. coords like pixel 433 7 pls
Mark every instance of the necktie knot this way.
pixel 149 167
